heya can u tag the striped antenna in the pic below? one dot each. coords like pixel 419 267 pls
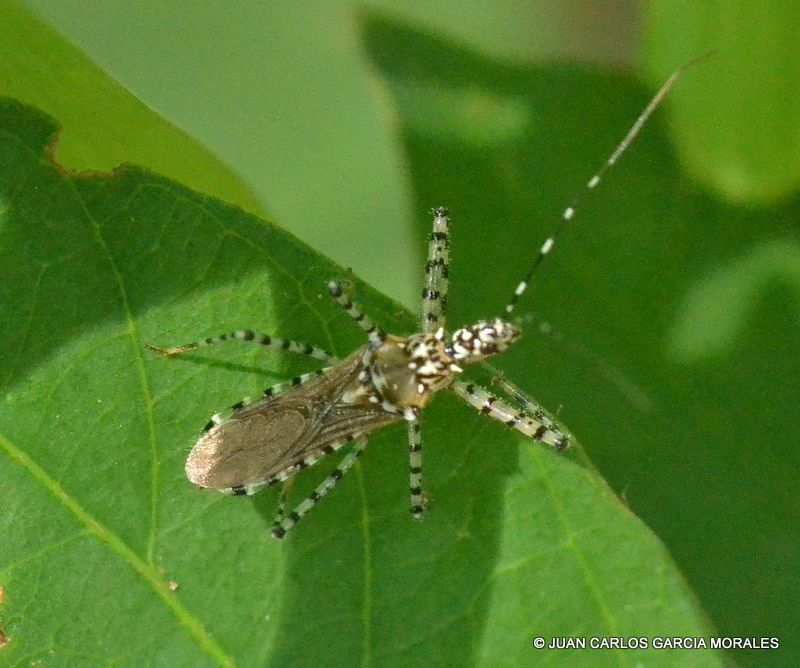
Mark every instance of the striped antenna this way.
pixel 569 212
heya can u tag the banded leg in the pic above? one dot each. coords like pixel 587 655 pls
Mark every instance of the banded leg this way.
pixel 528 406
pixel 283 523
pixel 434 294
pixel 376 334
pixel 415 475
pixel 269 393
pixel 282 498
pixel 542 430
pixel 248 336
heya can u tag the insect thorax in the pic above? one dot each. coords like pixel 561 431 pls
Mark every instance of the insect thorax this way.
pixel 405 373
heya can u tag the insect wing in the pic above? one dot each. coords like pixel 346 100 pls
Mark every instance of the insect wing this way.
pixel 271 439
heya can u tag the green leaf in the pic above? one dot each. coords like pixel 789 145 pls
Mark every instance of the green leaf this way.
pixel 105 124
pixel 718 310
pixel 737 118
pixel 110 555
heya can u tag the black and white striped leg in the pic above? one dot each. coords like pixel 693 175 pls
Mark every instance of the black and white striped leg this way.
pixel 418 500
pixel 282 498
pixel 249 336
pixel 376 334
pixel 540 427
pixel 434 294
pixel 525 403
pixel 285 522
pixel 273 391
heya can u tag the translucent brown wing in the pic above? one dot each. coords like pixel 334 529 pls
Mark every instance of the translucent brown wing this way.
pixel 279 435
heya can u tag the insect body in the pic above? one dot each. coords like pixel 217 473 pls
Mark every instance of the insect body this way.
pixel 268 439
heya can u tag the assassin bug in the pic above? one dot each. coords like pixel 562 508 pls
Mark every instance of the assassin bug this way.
pixel 268 439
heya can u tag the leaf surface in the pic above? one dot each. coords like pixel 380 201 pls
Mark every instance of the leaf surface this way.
pixel 110 555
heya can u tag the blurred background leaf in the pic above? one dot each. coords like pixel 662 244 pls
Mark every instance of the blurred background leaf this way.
pixel 736 124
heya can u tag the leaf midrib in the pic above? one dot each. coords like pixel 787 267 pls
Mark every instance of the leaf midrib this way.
pixel 113 541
